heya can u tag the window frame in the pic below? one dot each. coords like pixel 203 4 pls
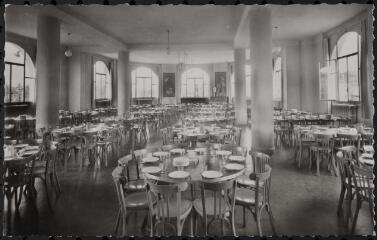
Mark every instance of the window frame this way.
pixel 205 82
pixel 107 72
pixel 346 57
pixel 142 81
pixel 11 64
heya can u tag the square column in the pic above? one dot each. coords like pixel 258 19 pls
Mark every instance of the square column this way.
pixel 48 72
pixel 261 79
pixel 124 83
pixel 240 105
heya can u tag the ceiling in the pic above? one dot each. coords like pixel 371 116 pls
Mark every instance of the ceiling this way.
pixel 206 33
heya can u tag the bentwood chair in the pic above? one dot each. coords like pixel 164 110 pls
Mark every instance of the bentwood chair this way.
pixel 128 202
pixel 346 186
pixel 168 210
pixel 260 161
pixel 323 150
pixel 216 204
pixel 362 179
pixel 256 198
pixel 349 144
pixel 304 141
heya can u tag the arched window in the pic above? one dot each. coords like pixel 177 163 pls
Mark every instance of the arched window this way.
pixel 277 80
pixel 195 83
pixel 232 87
pixel 144 83
pixel 102 81
pixel 19 75
pixel 345 67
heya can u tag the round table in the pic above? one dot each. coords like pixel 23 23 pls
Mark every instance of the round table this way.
pixel 197 165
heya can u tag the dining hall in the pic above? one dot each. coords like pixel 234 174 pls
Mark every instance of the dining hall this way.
pixel 206 120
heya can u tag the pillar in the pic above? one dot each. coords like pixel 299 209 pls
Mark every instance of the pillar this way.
pixel 262 130
pixel 48 72
pixel 124 83
pixel 240 105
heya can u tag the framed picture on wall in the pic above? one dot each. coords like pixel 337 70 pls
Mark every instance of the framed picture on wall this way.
pixel 220 84
pixel 168 85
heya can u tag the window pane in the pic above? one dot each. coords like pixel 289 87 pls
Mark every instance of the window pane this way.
pixel 30 89
pixel 7 83
pixel 347 44
pixel 206 90
pixel 190 88
pixel 342 79
pixel 139 87
pixel 199 87
pixel 13 53
pixel 353 78
pixel 100 67
pixel 155 91
pixel 147 87
pixel 29 68
pixel 17 83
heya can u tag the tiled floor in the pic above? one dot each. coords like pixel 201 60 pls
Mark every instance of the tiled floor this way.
pixel 302 204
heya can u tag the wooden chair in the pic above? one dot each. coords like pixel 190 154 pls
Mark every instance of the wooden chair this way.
pixel 362 179
pixel 305 141
pixel 323 150
pixel 349 145
pixel 256 198
pixel 167 209
pixel 346 186
pixel 216 204
pixel 128 202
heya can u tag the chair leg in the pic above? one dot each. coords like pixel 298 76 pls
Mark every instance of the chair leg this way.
pixel 272 220
pixel 244 216
pixel 317 161
pixel 258 213
pixel 341 198
pixel 358 206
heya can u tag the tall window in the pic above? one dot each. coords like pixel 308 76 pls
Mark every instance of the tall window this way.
pixel 102 81
pixel 277 80
pixel 144 83
pixel 19 75
pixel 345 67
pixel 195 83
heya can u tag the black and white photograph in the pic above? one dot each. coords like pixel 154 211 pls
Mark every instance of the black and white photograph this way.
pixel 188 120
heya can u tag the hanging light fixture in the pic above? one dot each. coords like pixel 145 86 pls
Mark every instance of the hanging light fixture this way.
pixel 68 53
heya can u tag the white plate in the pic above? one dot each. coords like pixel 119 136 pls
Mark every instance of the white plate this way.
pixel 160 154
pixel 150 159
pixel 152 170
pixel 181 162
pixel 237 158
pixel 179 174
pixel 233 167
pixel 223 153
pixel 212 174
pixel 178 150
pixel 200 150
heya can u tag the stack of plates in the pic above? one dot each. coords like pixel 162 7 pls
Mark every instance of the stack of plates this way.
pixel 150 160
pixel 151 170
pixel 233 167
pixel 211 174
pixel 179 175
pixel 237 158
pixel 181 162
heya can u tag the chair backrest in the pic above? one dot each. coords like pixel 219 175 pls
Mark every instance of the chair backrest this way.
pixel 161 196
pixel 260 160
pixel 344 167
pixel 217 198
pixel 262 184
pixel 363 180
pixel 119 181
